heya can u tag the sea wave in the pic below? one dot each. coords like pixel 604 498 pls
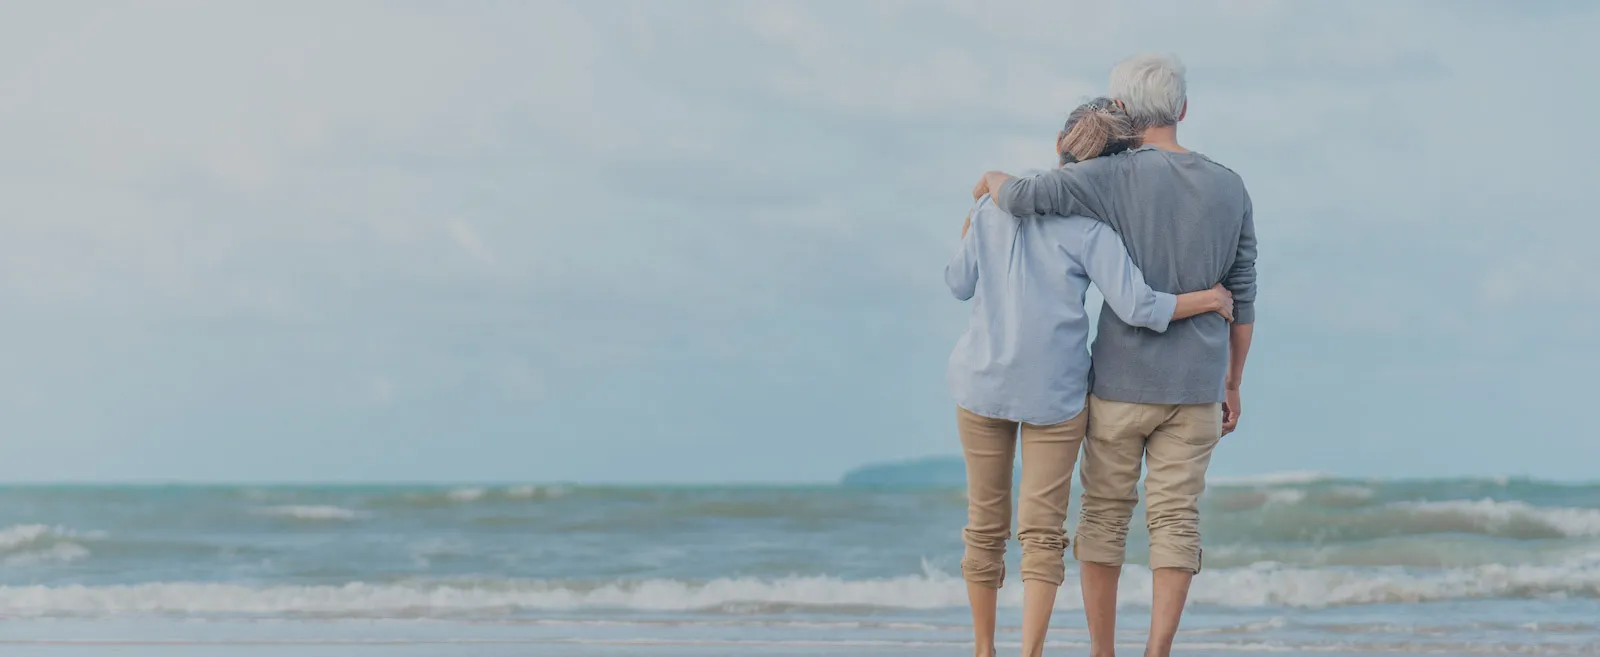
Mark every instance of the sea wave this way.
pixel 531 492
pixel 1346 495
pixel 310 512
pixel 444 498
pixel 26 545
pixel 1512 518
pixel 1325 516
pixel 1271 479
pixel 1285 496
pixel 17 536
pixel 466 494
pixel 57 553
pixel 1259 586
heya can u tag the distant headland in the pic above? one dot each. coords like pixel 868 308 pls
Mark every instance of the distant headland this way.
pixel 933 471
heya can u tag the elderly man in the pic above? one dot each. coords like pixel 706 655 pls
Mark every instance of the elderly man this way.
pixel 1162 398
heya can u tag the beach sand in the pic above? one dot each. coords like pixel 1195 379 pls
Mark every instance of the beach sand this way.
pixel 468 649
pixel 391 638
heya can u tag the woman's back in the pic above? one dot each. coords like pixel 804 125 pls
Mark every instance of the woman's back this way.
pixel 1024 355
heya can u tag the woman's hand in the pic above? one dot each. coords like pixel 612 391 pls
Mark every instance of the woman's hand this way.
pixel 1222 301
pixel 1215 300
pixel 989 183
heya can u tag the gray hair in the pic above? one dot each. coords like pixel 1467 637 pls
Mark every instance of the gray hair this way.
pixel 1152 87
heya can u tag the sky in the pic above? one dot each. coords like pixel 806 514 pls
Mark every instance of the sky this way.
pixel 692 242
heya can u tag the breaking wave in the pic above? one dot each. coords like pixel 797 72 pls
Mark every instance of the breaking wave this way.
pixel 1512 518
pixel 1256 586
pixel 27 545
pixel 310 512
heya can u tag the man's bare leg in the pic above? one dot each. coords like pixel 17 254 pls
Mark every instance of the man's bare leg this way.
pixel 1178 454
pixel 1100 606
pixel 1171 590
pixel 1038 600
pixel 983 600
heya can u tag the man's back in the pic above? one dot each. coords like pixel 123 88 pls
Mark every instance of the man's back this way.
pixel 1187 222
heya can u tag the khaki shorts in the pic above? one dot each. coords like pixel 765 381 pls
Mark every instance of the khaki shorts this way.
pixel 1176 440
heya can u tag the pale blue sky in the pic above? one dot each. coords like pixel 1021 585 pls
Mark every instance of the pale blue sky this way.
pixel 690 241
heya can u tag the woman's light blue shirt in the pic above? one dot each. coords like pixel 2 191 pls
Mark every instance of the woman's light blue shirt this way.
pixel 1025 353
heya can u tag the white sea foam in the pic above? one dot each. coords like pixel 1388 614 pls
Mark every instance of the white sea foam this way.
pixel 17 536
pixel 57 553
pixel 1274 585
pixel 1500 516
pixel 1265 585
pixel 26 545
pixel 466 494
pixel 535 492
pixel 1285 496
pixel 1272 479
pixel 310 512
pixel 421 600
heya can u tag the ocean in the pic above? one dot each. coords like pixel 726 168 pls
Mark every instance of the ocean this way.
pixel 1294 564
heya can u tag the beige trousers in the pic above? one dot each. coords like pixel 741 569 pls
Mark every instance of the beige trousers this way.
pixel 1048 456
pixel 1176 440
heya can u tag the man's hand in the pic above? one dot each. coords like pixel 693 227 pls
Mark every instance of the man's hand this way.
pixel 1230 411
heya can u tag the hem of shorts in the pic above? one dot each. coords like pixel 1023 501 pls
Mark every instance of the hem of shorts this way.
pixel 1158 396
pixel 1109 562
pixel 994 414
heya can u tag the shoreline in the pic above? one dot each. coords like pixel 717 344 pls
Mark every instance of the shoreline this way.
pixel 146 636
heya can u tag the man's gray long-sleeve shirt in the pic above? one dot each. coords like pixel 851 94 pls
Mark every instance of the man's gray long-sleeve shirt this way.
pixel 1187 223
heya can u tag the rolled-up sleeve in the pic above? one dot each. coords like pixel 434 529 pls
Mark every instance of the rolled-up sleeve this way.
pixel 1069 190
pixel 1106 260
pixel 1241 278
pixel 961 273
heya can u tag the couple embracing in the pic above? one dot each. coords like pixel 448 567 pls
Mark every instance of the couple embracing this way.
pixel 1166 235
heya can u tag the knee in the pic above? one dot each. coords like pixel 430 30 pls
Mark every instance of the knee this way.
pixel 1170 552
pixel 1106 513
pixel 1044 555
pixel 1102 534
pixel 985 559
pixel 986 539
pixel 983 568
pixel 1175 541
pixel 1043 541
pixel 1182 521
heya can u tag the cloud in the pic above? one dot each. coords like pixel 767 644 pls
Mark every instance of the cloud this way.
pixel 467 238
pixel 691 210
